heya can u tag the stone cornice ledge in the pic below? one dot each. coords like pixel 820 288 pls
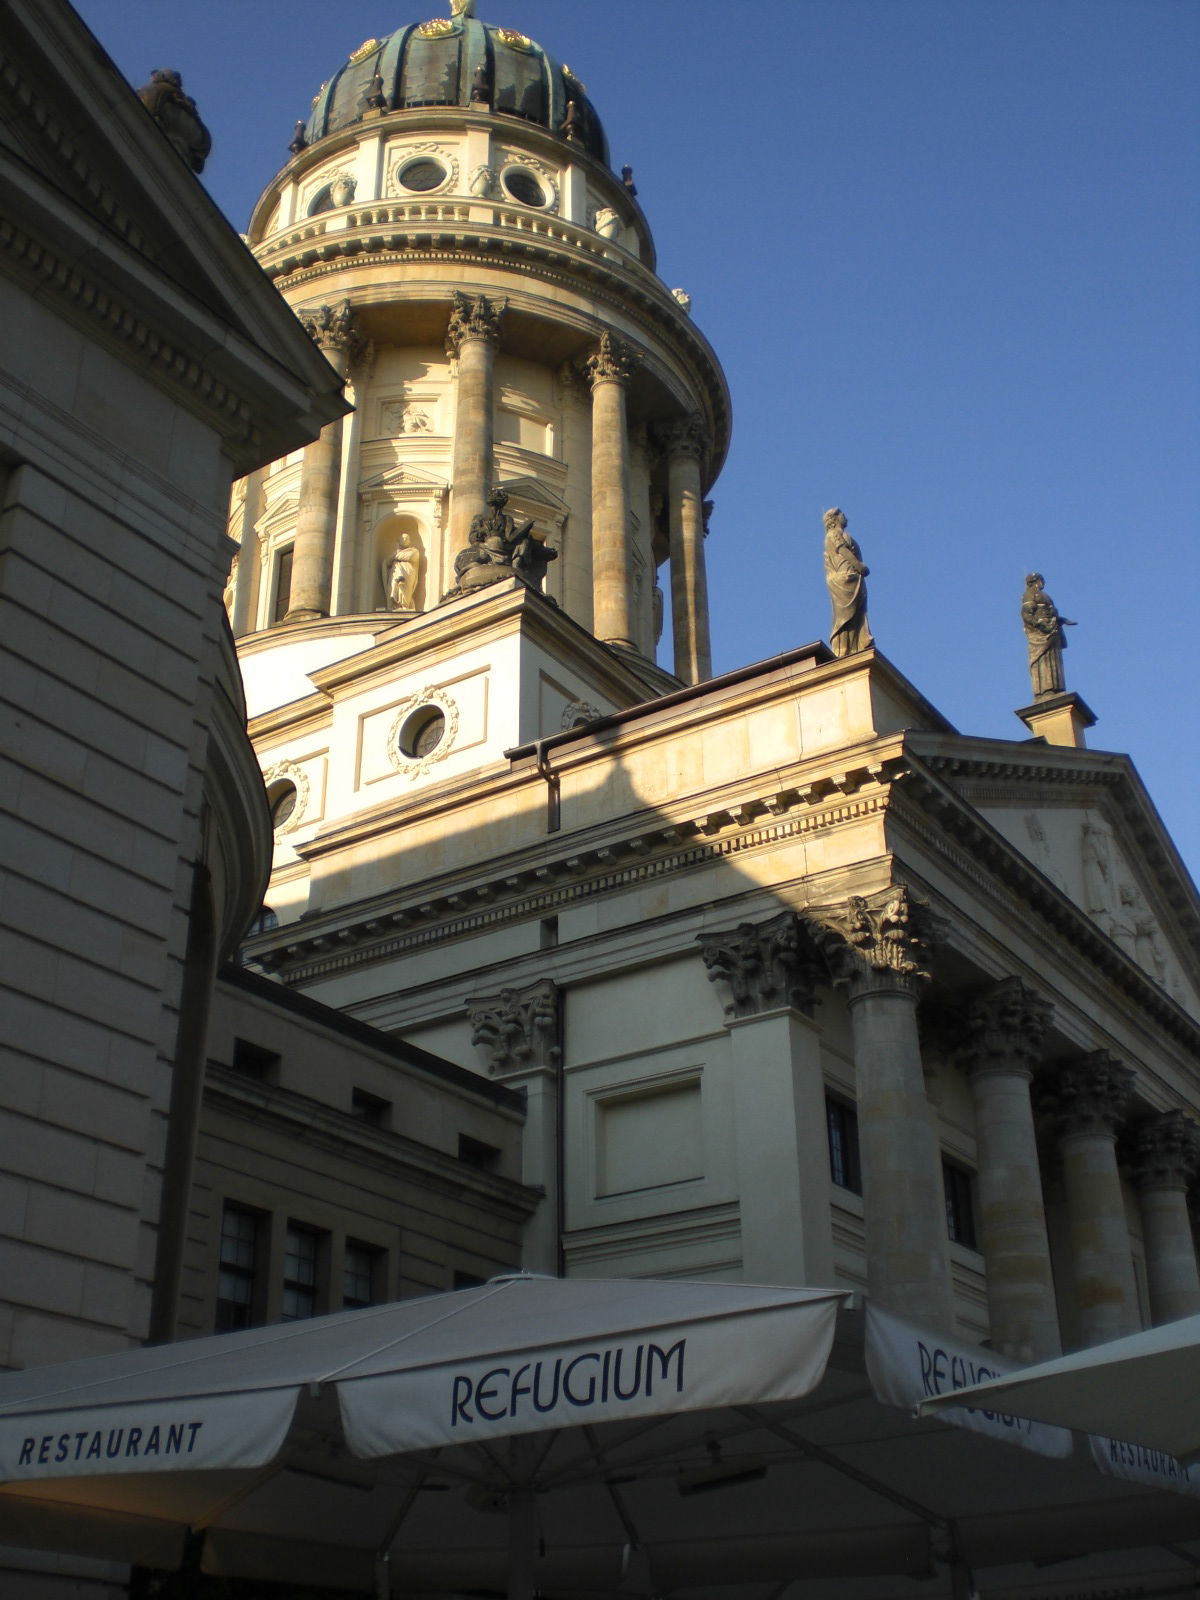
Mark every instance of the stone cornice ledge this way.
pixel 530 884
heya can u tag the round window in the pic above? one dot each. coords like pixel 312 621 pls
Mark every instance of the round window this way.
pixel 525 186
pixel 282 799
pixel 423 175
pixel 423 732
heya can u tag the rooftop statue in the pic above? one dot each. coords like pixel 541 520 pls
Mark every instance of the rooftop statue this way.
pixel 845 575
pixel 1045 637
pixel 501 547
pixel 176 114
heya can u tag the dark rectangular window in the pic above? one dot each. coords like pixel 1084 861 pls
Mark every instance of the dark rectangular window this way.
pixel 300 1253
pixel 478 1154
pixel 256 1061
pixel 841 1122
pixel 283 584
pixel 959 1185
pixel 362 1275
pixel 237 1279
pixel 369 1108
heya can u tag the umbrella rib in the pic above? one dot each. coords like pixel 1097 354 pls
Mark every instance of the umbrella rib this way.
pixel 828 1459
pixel 619 1507
pixel 391 1344
pixel 406 1506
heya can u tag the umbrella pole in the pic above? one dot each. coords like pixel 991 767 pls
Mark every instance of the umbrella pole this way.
pixel 522 1524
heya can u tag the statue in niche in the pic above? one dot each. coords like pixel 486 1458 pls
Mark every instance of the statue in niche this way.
pixel 1045 637
pixel 845 577
pixel 400 572
pixel 501 547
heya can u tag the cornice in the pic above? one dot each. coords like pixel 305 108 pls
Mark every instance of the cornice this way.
pixel 524 889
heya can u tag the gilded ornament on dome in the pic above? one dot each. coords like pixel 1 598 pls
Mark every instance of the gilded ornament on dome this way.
pixel 574 77
pixel 514 40
pixel 364 50
pixel 436 28
pixel 319 93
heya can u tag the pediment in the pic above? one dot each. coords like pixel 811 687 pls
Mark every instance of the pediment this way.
pixel 400 480
pixel 532 492
pixel 1084 821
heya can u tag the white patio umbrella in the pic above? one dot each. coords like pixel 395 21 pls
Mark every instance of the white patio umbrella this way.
pixel 567 1438
pixel 302 1451
pixel 1143 1389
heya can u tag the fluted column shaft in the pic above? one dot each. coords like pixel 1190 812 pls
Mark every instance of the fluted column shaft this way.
pixel 245 593
pixel 1089 1097
pixel 1167 1154
pixel 320 474
pixel 1005 1030
pixel 472 337
pixel 685 443
pixel 612 534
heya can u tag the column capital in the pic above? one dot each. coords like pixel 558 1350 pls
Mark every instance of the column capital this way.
pixel 880 942
pixel 334 330
pixel 1166 1151
pixel 518 1029
pixel 765 965
pixel 473 318
pixel 1005 1026
pixel 684 436
pixel 1089 1094
pixel 613 361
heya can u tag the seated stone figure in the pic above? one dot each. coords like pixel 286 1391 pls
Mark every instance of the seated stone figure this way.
pixel 501 547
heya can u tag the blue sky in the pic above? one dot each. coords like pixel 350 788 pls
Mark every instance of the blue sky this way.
pixel 947 252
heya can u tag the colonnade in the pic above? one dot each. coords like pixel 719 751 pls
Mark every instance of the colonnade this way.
pixel 877 951
pixel 472 340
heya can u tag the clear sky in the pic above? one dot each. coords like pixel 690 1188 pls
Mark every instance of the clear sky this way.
pixel 947 252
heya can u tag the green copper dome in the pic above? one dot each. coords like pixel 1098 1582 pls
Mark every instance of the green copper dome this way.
pixel 458 61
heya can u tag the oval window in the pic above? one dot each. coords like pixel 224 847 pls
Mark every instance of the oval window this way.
pixel 525 186
pixel 423 732
pixel 423 175
pixel 282 799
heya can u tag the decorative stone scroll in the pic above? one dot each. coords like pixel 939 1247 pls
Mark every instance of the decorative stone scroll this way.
pixel 1005 1028
pixel 518 1029
pixel 1166 1151
pixel 334 330
pixel 1089 1094
pixel 888 935
pixel 613 362
pixel 476 318
pixel 765 965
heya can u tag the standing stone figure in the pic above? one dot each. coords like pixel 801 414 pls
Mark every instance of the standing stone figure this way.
pixel 400 572
pixel 1044 636
pixel 176 114
pixel 845 575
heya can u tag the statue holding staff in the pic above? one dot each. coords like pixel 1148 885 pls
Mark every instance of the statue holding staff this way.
pixel 400 571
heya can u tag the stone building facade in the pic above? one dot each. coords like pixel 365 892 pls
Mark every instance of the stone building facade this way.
pixel 800 983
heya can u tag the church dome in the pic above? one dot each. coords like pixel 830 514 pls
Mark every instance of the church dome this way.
pixel 457 61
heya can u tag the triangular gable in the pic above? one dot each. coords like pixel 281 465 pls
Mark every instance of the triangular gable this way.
pixel 1083 819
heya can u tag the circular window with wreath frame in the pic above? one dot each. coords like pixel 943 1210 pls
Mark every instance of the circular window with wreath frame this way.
pixel 529 184
pixel 422 732
pixel 423 169
pixel 287 796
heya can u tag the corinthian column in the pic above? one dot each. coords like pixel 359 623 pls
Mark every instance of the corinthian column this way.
pixel 685 444
pixel 1004 1035
pixel 878 949
pixel 1088 1097
pixel 335 333
pixel 472 337
pixel 612 541
pixel 1166 1158
pixel 769 971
